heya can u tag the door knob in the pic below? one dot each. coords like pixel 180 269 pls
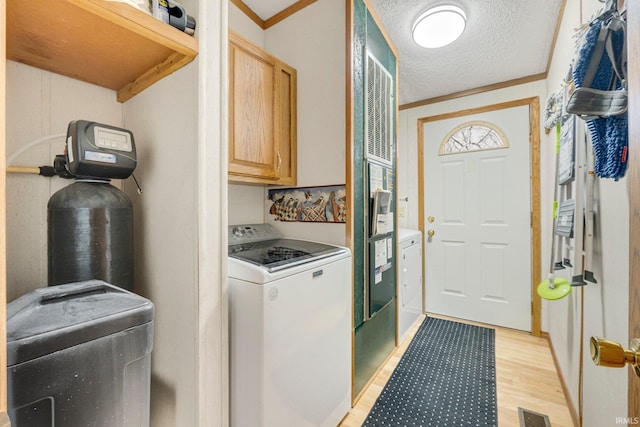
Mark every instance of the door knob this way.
pixel 611 354
pixel 430 232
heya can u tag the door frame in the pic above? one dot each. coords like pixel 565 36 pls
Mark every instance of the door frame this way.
pixel 633 79
pixel 534 159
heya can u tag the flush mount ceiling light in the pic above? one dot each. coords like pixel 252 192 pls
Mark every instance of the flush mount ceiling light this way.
pixel 439 26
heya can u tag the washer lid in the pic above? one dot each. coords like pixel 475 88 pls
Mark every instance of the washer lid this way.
pixel 278 254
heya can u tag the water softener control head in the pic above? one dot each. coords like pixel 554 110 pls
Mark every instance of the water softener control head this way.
pixel 95 150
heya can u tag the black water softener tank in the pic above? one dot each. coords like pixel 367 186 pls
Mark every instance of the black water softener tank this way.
pixel 90 227
pixel 90 222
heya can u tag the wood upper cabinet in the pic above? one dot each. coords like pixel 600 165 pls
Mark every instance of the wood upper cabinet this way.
pixel 262 116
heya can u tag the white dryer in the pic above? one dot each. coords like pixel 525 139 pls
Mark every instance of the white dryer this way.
pixel 410 279
pixel 290 330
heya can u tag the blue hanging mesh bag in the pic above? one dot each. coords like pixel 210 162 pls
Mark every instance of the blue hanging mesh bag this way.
pixel 600 97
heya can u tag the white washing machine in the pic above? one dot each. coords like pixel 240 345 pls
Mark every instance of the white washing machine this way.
pixel 290 330
pixel 410 279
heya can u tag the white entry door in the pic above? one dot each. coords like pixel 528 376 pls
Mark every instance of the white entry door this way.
pixel 477 204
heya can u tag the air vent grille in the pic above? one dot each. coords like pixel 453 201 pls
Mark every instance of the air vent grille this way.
pixel 532 419
pixel 379 112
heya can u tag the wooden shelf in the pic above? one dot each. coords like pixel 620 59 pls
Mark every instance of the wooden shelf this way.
pixel 110 44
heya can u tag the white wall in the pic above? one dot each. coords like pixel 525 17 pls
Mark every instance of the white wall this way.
pixel 41 104
pixel 313 42
pixel 605 304
pixel 243 25
pixel 562 318
pixel 166 237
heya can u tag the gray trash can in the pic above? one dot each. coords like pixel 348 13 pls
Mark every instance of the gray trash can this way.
pixel 79 355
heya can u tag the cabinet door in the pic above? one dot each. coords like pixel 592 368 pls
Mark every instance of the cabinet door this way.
pixel 287 160
pixel 263 116
pixel 253 128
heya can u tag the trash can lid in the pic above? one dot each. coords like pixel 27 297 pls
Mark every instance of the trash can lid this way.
pixel 58 317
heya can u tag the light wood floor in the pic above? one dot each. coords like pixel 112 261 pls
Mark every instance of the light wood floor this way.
pixel 525 377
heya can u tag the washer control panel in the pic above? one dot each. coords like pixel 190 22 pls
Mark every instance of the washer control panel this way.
pixel 239 234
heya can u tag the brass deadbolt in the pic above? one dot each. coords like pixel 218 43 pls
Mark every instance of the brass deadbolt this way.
pixel 611 354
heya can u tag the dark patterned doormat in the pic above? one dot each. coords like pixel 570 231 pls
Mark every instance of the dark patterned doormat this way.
pixel 447 377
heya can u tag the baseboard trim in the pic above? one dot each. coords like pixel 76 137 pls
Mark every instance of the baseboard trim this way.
pixel 565 389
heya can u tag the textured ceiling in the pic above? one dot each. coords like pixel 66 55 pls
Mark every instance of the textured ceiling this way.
pixel 504 40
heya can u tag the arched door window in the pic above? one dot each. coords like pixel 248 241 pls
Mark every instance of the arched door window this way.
pixel 473 136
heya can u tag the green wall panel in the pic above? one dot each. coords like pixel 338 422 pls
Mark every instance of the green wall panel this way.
pixel 359 203
pixel 377 44
pixel 374 338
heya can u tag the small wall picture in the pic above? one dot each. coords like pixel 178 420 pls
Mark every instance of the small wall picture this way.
pixel 309 204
